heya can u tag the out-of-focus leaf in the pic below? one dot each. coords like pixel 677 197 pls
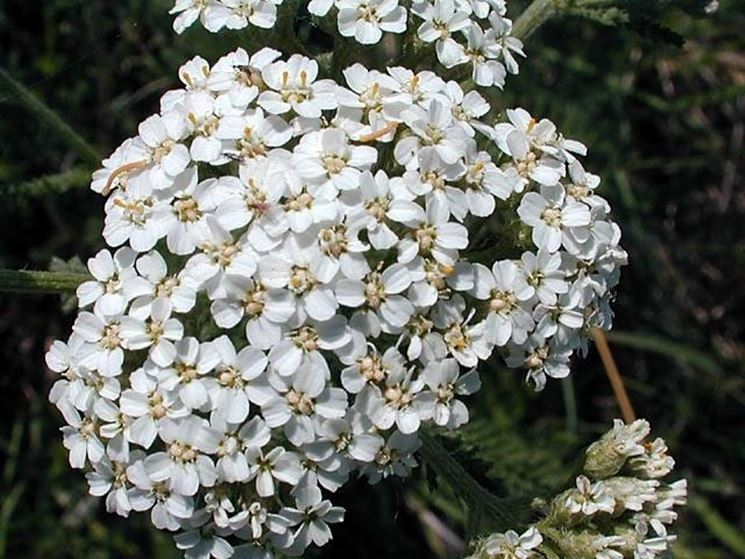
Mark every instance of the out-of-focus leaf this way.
pixel 669 348
pixel 40 110
pixel 728 534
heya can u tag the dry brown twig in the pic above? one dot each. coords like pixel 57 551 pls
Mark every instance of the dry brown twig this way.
pixel 126 168
pixel 390 127
pixel 614 375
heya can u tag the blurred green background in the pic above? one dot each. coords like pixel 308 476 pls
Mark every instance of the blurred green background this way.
pixel 665 125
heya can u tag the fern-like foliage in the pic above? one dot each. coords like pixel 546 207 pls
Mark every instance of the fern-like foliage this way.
pixel 648 18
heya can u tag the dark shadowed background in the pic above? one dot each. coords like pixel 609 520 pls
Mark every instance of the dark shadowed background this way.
pixel 665 125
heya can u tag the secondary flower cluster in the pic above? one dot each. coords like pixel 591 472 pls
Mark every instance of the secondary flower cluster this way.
pixel 291 294
pixel 474 32
pixel 620 507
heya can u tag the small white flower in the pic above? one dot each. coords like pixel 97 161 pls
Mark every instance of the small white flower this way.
pixel 326 159
pixel 434 180
pixel 312 514
pixel 419 89
pixel 180 290
pixel 168 157
pixel 365 103
pixel 168 510
pixel 510 45
pixel 434 130
pixel 78 387
pixel 352 436
pixel 239 380
pixel 185 375
pixel 185 464
pixel 115 284
pixel 266 310
pixel 276 464
pixel 481 51
pixel 468 109
pixel 81 438
pixel 293 86
pixel 131 152
pixel 232 465
pixel 372 369
pixel 202 113
pixel 195 75
pixel 589 498
pixel 253 134
pixel 396 458
pixel 441 20
pixel 109 478
pixel 238 75
pixel 366 20
pixel 107 354
pixel 145 402
pixel 188 12
pixel 401 402
pixel 302 346
pixel 221 257
pixel 655 462
pixel 134 218
pixel 468 343
pixel 376 205
pixel 544 276
pixel 300 401
pixel 482 183
pixel 197 544
pixel 541 360
pixel 560 321
pixel 433 235
pixel 237 14
pixel 512 545
pixel 151 326
pixel 379 293
pixel 444 380
pixel 551 216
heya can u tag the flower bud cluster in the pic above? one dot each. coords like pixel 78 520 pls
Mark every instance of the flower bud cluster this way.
pixel 620 507
pixel 319 233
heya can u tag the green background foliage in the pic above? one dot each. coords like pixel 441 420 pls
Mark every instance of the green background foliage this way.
pixel 665 125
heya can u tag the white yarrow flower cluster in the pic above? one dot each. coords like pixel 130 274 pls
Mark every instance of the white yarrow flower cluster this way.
pixel 473 32
pixel 620 508
pixel 292 289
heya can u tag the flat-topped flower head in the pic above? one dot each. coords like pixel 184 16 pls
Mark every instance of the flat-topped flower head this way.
pixel 304 273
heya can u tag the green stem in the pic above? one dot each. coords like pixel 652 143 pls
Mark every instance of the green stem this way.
pixel 503 512
pixel 48 116
pixel 535 15
pixel 570 404
pixel 25 281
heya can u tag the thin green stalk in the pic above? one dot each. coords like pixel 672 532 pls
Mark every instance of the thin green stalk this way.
pixel 40 109
pixel 570 403
pixel 25 281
